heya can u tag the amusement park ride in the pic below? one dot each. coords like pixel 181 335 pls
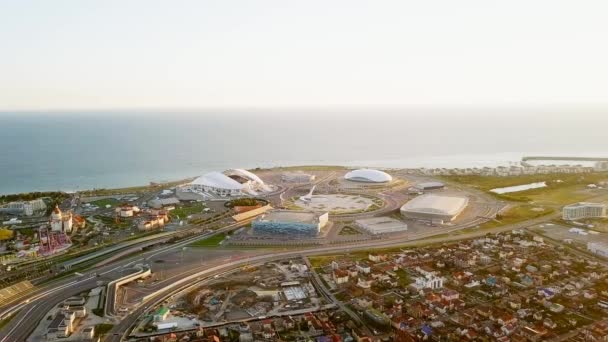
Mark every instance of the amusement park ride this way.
pixel 51 241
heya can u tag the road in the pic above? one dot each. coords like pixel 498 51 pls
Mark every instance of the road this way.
pixel 31 312
pixel 330 296
pixel 45 298
pixel 128 321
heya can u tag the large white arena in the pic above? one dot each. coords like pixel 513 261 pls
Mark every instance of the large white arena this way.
pixel 368 176
pixel 230 183
pixel 435 208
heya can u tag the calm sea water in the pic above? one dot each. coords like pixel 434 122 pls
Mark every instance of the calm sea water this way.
pixel 73 151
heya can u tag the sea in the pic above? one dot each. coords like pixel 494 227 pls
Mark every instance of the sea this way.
pixel 78 150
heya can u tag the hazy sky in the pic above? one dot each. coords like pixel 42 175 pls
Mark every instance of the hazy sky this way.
pixel 149 54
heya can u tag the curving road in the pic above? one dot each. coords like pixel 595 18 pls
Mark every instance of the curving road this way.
pixel 33 308
pixel 127 322
pixel 29 313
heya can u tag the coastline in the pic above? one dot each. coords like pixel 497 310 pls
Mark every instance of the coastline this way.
pixel 136 180
pixel 164 177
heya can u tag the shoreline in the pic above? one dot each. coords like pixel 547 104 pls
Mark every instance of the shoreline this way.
pixel 133 178
pixel 382 165
pixel 96 192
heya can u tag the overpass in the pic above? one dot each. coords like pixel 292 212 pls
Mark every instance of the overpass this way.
pixel 113 286
pixel 140 242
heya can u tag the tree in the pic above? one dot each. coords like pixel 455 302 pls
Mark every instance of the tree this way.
pixel 6 234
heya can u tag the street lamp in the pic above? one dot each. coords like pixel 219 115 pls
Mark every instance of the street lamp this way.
pixel 182 254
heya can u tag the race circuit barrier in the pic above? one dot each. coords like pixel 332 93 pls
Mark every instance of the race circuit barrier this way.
pixel 144 271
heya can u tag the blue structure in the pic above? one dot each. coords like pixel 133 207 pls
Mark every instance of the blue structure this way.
pixel 289 223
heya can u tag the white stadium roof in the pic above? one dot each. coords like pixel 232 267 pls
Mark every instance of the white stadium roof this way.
pixel 433 204
pixel 368 175
pixel 245 174
pixel 218 180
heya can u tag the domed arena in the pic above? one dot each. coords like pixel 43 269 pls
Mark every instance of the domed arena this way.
pixel 368 176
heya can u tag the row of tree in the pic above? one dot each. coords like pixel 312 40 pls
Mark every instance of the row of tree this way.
pixel 29 196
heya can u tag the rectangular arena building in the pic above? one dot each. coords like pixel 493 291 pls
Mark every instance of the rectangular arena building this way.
pixel 381 225
pixel 290 222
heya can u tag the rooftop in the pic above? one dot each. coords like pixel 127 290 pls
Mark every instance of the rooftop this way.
pixel 426 185
pixel 368 175
pixel 433 204
pixel 290 216
pixel 584 204
pixel 244 174
pixel 382 223
pixel 218 180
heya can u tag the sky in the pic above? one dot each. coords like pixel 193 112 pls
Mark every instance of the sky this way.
pixel 147 54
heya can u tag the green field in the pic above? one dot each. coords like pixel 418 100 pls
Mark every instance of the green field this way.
pixel 123 223
pixel 213 241
pixel 490 182
pixel 561 188
pixel 308 168
pixel 6 320
pixel 133 189
pixel 404 279
pixel 515 214
pixel 348 230
pixel 185 211
pixel 102 329
pixel 106 201
pixel 323 260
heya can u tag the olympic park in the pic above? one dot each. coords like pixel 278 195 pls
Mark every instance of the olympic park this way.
pixel 312 206
pixel 284 209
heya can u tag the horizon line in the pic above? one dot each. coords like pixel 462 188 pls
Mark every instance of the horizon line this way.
pixel 431 107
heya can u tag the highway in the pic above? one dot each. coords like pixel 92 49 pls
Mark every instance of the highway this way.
pixel 28 313
pixel 45 298
pixel 128 321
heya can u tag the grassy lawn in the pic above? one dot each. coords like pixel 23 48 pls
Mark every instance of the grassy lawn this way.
pixel 323 260
pixel 212 241
pixel 185 211
pixel 309 168
pixel 106 201
pixel 516 214
pixel 6 320
pixel 102 329
pixel 123 223
pixel 133 189
pixel 561 188
pixel 404 279
pixel 348 230
pixel 490 182
pixel 290 204
pixel 557 196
